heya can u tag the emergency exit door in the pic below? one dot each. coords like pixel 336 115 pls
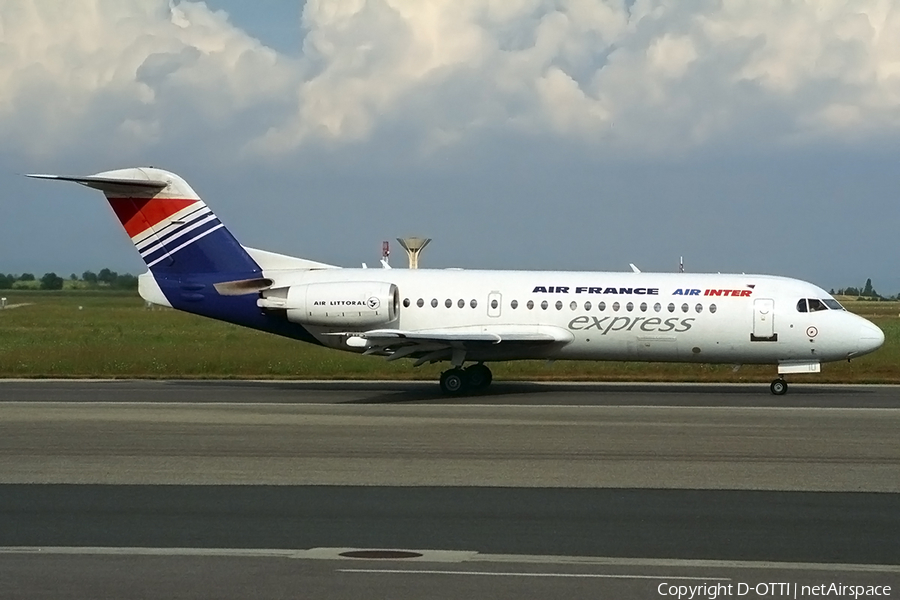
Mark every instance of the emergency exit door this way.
pixel 493 304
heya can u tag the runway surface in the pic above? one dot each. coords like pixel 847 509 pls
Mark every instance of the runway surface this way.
pixel 533 490
pixel 687 437
pixel 427 392
pixel 683 524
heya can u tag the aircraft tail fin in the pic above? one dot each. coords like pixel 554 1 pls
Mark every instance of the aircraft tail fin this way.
pixel 171 227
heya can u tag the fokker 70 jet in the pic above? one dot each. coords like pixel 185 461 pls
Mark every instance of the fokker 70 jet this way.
pixel 472 316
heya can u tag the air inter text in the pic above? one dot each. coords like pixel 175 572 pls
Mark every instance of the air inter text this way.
pixel 696 292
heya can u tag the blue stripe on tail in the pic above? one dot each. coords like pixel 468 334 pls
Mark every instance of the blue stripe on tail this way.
pixel 203 249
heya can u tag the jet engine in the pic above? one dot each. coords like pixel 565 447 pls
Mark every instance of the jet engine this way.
pixel 336 304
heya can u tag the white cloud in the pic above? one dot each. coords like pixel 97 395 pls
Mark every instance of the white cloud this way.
pixel 653 76
pixel 127 72
pixel 644 76
pixel 670 56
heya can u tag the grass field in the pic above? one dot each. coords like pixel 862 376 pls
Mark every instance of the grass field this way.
pixel 112 334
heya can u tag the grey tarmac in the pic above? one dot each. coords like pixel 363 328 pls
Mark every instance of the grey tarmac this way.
pixel 585 490
pixel 288 433
pixel 522 393
pixel 113 574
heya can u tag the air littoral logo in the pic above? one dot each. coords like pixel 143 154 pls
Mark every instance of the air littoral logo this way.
pixel 372 303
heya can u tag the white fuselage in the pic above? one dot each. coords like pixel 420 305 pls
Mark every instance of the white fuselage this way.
pixel 710 318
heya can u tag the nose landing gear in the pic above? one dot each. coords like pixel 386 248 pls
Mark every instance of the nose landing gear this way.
pixel 779 387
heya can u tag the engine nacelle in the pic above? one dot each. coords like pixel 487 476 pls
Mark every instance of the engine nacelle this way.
pixel 338 304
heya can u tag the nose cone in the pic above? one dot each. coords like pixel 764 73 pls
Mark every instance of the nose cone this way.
pixel 870 338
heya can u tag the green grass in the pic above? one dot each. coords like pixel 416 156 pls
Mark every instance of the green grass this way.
pixel 85 333
pixel 68 285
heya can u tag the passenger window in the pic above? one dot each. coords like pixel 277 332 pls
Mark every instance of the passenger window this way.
pixel 461 303
pixel 420 303
pixel 601 307
pixel 801 306
pixel 474 303
pixel 494 303
pixel 699 308
pixel 685 308
pixel 643 307
pixel 406 303
pixel 629 307
pixel 671 307
pixel 587 306
pixel 448 302
pixel 513 304
pixel 816 305
pixel 434 303
pixel 559 305
pixel 615 307
pixel 657 307
pixel 530 304
pixel 544 305
pixel 573 305
pixel 712 308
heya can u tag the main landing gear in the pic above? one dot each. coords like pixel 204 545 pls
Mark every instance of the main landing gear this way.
pixel 458 381
pixel 779 387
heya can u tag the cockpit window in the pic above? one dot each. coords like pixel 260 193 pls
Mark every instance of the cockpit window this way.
pixel 815 305
pixel 832 304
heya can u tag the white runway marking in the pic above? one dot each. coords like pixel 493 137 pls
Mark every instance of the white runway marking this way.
pixel 462 556
pixel 526 574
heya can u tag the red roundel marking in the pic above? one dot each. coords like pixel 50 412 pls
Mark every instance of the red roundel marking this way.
pixel 812 332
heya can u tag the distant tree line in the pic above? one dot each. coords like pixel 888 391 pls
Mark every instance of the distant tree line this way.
pixel 105 279
pixel 866 292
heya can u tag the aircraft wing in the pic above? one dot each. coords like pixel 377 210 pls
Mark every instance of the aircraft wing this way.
pixel 431 345
pixel 483 334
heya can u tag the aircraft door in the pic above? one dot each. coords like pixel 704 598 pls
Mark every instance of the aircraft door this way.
pixel 494 302
pixel 763 321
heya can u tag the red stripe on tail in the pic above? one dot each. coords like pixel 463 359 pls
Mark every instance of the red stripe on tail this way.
pixel 139 214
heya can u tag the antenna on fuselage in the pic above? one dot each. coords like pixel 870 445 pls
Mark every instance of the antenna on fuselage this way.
pixel 413 246
pixel 681 264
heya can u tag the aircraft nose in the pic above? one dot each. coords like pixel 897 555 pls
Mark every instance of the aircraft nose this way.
pixel 870 338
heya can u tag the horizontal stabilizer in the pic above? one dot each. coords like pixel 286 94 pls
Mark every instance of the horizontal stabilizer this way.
pixel 108 184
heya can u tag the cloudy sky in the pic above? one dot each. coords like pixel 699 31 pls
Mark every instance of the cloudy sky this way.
pixel 745 135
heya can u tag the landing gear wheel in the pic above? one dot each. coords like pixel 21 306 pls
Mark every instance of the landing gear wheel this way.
pixel 779 387
pixel 478 376
pixel 453 382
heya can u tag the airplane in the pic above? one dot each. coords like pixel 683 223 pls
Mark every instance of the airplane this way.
pixel 473 316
